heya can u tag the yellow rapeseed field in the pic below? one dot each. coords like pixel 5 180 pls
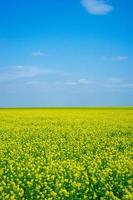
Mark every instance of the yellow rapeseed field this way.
pixel 66 154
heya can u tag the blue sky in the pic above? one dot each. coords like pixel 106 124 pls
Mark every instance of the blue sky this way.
pixel 66 53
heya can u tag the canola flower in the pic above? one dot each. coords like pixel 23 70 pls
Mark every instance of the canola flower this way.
pixel 66 154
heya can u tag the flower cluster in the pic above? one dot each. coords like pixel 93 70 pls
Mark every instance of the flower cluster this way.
pixel 66 154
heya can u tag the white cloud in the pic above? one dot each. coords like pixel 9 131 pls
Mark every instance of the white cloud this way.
pixel 127 85
pixel 120 58
pixel 38 54
pixel 71 83
pixel 109 83
pixel 97 7
pixel 19 72
pixel 82 81
pixel 115 80
pixel 115 58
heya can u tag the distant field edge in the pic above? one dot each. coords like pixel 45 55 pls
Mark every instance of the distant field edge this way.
pixel 69 107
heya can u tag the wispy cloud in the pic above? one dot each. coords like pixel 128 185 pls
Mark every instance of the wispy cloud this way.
pixel 19 72
pixel 82 81
pixel 115 80
pixel 71 83
pixel 97 7
pixel 116 58
pixel 127 85
pixel 111 82
pixel 39 54
pixel 120 58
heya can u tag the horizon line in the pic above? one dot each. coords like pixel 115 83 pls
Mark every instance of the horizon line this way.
pixel 67 107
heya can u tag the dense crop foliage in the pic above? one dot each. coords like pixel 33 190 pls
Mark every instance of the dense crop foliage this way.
pixel 66 154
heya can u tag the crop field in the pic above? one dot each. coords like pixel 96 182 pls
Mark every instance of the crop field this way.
pixel 74 153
